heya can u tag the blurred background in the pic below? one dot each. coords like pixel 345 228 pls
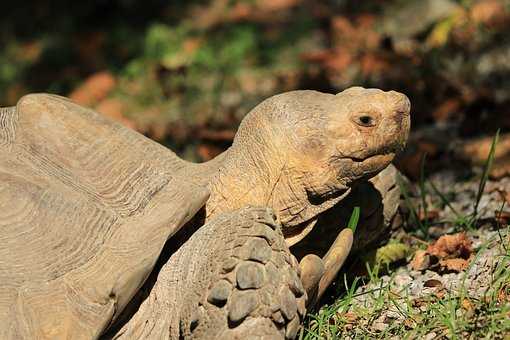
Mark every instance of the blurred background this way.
pixel 186 72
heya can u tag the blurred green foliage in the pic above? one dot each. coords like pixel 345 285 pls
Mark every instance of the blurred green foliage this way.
pixel 172 67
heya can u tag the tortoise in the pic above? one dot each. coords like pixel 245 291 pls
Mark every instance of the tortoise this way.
pixel 107 234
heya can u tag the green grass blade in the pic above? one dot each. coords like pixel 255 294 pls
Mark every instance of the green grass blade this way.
pixel 444 199
pixel 423 192
pixel 353 221
pixel 414 214
pixel 485 175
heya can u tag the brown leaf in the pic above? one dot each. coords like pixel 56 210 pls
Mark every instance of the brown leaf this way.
pixel 477 150
pixel 432 215
pixel 451 246
pixel 93 89
pixel 446 110
pixel 207 151
pixel 114 109
pixel 454 265
pixel 334 60
pixel 372 64
pixel 410 161
pixel 433 283
pixel 419 302
pixel 491 13
pixel 409 323
pixel 467 305
pixel 421 260
pixel 504 294
pixel 440 294
pixel 349 317
pixel 501 167
pixel 502 217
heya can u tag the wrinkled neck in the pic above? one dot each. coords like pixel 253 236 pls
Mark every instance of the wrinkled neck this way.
pixel 242 179
pixel 256 176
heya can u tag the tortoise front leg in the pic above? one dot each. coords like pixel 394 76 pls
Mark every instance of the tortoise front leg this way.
pixel 378 200
pixel 317 274
pixel 335 258
pixel 235 277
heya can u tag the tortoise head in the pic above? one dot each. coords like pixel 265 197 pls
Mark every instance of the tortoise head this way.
pixel 310 148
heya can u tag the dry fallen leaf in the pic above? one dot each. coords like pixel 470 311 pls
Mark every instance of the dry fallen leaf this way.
pixel 432 215
pixel 419 302
pixel 410 160
pixel 446 110
pixel 502 217
pixel 440 293
pixel 93 89
pixel 491 13
pixel 454 265
pixel 477 150
pixel 114 109
pixel 467 305
pixel 421 260
pixel 504 294
pixel 453 252
pixel 409 323
pixel 349 317
pixel 432 283
pixel 451 246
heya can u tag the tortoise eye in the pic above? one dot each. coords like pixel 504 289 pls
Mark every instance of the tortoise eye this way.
pixel 365 120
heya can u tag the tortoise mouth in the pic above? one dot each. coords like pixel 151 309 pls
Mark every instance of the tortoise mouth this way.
pixel 377 158
pixel 365 168
pixel 368 167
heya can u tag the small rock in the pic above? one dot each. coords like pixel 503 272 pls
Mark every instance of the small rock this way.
pixel 379 326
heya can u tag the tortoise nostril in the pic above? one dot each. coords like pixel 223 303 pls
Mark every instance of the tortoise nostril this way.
pixel 402 105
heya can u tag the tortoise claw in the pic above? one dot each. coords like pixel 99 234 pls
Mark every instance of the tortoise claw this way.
pixel 317 274
pixel 335 258
pixel 312 270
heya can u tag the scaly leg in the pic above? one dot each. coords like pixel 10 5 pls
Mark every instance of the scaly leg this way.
pixel 317 274
pixel 233 279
